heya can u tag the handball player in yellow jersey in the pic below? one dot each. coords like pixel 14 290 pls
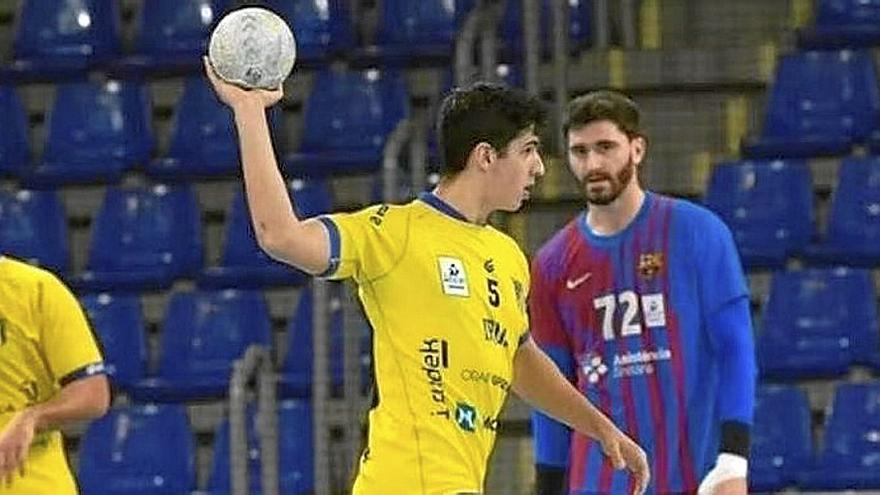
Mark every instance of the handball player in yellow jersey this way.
pixel 51 373
pixel 445 293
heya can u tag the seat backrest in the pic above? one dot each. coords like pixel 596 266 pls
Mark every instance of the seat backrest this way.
pixel 764 203
pixel 119 323
pixel 300 348
pixel 424 22
pixel 320 26
pixel 824 93
pixel 855 209
pixel 781 435
pixel 145 228
pixel 847 13
pixel 202 125
pixel 852 434
pixel 177 27
pixel 80 29
pixel 580 14
pixel 203 332
pixel 92 123
pixel 241 249
pixel 14 147
pixel 353 110
pixel 146 448
pixel 33 227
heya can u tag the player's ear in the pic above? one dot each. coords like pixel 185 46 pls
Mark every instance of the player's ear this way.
pixel 483 154
pixel 638 146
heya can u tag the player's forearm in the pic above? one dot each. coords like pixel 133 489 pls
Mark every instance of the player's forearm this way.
pixel 83 399
pixel 538 381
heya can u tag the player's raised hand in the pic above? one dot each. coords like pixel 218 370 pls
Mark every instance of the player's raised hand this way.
pixel 626 454
pixel 235 96
pixel 15 441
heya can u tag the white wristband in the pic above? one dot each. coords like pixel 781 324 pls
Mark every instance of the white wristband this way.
pixel 727 467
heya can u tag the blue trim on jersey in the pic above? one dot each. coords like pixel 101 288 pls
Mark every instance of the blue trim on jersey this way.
pixel 733 330
pixel 335 246
pixel 552 438
pixel 86 371
pixel 606 240
pixel 444 207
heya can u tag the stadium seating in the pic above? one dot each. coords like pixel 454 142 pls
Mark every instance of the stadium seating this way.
pixel 295 451
pixel 33 227
pixel 781 439
pixel 14 142
pixel 322 29
pixel 143 239
pixel 768 205
pixel 144 449
pixel 96 131
pixel 60 38
pixel 821 104
pixel 204 142
pixel 843 23
pixel 119 324
pixel 580 13
pixel 853 236
pixel 348 117
pixel 203 333
pixel 850 458
pixel 817 322
pixel 243 264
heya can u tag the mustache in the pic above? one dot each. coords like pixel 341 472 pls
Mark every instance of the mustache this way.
pixel 597 176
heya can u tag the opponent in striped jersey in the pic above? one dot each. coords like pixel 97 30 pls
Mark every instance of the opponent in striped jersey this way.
pixel 642 303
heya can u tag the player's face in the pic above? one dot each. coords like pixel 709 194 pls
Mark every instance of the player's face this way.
pixel 518 167
pixel 604 160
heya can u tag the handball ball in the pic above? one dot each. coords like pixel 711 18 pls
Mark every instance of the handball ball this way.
pixel 252 48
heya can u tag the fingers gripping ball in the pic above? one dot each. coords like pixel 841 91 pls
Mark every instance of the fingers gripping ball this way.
pixel 252 48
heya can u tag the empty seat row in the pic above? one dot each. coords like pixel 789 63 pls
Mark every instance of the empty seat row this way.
pixel 843 23
pixel 782 452
pixel 769 207
pixel 203 333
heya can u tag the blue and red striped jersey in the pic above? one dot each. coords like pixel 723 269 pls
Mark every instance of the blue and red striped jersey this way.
pixel 624 317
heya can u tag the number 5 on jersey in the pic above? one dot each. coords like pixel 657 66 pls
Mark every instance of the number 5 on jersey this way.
pixel 652 312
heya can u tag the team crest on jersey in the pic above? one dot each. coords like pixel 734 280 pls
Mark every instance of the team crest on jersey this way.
pixel 453 276
pixel 650 264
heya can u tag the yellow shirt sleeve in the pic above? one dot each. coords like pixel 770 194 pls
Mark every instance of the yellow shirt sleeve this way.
pixel 67 340
pixel 366 244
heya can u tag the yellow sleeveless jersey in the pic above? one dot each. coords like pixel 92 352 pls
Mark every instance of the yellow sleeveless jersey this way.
pixel 446 300
pixel 45 343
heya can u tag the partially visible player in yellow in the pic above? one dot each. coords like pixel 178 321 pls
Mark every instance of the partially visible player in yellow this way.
pixel 51 373
pixel 444 292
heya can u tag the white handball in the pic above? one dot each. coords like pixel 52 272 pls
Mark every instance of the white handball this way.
pixel 252 48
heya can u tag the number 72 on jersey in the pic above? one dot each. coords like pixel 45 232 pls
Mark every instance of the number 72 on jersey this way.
pixel 635 311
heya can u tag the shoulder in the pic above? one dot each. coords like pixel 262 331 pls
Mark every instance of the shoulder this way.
pixel 551 256
pixel 27 275
pixel 695 218
pixel 511 247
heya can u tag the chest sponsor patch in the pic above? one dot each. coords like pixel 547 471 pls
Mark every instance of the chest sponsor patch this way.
pixel 654 307
pixel 453 276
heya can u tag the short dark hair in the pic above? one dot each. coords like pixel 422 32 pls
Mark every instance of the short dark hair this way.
pixel 483 112
pixel 607 105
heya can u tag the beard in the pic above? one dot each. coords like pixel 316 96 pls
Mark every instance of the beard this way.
pixel 606 195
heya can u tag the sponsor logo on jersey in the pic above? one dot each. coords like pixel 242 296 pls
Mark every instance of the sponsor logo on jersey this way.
pixel 473 375
pixel 574 283
pixel 628 364
pixel 466 417
pixel 494 332
pixel 453 276
pixel 435 360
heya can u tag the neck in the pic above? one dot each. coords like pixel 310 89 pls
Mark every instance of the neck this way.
pixel 614 217
pixel 466 196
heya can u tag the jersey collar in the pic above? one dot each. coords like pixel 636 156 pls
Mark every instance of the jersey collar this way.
pixel 434 201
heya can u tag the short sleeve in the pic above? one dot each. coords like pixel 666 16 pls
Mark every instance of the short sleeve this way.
pixel 720 272
pixel 69 345
pixel 366 244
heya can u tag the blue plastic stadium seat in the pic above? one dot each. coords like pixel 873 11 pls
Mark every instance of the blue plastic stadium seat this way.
pixel 143 239
pixel 853 236
pixel 296 452
pixel 145 449
pixel 204 142
pixel 243 264
pixel 96 131
pixel 843 23
pixel 296 371
pixel 821 104
pixel 118 322
pixel 33 227
pixel 768 206
pixel 580 13
pixel 348 117
pixel 203 333
pixel 62 37
pixel 322 28
pixel 781 439
pixel 14 147
pixel 851 455
pixel 172 35
pixel 817 322
pixel 416 33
